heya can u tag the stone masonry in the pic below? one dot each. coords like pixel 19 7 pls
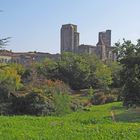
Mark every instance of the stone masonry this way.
pixel 70 43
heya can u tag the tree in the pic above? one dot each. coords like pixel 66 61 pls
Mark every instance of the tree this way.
pixel 129 57
pixel 4 41
pixel 115 68
pixel 104 75
pixel 48 68
pixel 100 74
pixel 127 49
pixel 9 82
pixel 130 76
pixel 74 70
pixel 92 60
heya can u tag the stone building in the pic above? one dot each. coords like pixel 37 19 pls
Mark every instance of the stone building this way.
pixel 69 38
pixel 25 58
pixel 88 49
pixel 104 49
pixel 5 56
pixel 70 43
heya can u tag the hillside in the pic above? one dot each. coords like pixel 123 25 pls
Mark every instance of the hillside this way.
pixel 104 122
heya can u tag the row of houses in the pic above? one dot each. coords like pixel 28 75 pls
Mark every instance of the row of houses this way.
pixel 25 58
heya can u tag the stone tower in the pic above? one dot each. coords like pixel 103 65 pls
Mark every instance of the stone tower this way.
pixel 69 38
pixel 101 50
pixel 106 37
pixel 105 42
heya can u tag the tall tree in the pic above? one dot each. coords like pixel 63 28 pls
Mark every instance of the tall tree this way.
pixel 129 56
pixel 74 70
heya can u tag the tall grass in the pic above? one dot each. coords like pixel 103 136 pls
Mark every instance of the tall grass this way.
pixel 94 124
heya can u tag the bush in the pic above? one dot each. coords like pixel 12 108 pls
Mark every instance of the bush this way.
pixel 98 98
pixel 61 104
pixel 110 98
pixel 76 105
pixel 101 98
pixel 49 99
pixel 90 92
pixel 4 108
pixel 32 103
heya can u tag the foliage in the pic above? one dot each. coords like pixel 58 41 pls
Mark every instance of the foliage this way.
pixel 93 61
pixel 62 103
pixel 110 98
pixel 101 98
pixel 33 103
pixel 52 87
pixel 129 56
pixel 9 82
pixel 26 77
pixel 131 81
pixel 90 92
pixel 115 68
pixel 49 99
pixel 98 99
pixel 58 91
pixel 127 49
pixel 100 74
pixel 76 104
pixel 103 74
pixel 74 70
pixel 78 71
pixel 48 68
pixel 18 67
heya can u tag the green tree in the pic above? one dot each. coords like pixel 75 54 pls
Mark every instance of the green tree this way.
pixel 130 76
pixel 9 82
pixel 115 68
pixel 129 56
pixel 48 68
pixel 100 74
pixel 127 49
pixel 104 75
pixel 74 70
pixel 93 61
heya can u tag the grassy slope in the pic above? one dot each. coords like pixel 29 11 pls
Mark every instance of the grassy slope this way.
pixel 105 122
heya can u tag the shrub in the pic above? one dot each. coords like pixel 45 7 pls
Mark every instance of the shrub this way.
pixel 76 105
pixel 101 98
pixel 49 99
pixel 110 98
pixel 61 103
pixel 32 103
pixel 90 92
pixel 4 108
pixel 98 98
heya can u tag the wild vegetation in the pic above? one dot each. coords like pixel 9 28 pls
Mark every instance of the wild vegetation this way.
pixel 65 90
pixel 45 88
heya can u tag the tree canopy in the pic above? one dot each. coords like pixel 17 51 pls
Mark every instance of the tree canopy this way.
pixel 129 57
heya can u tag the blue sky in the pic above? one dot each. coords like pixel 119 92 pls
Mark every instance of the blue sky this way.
pixel 34 25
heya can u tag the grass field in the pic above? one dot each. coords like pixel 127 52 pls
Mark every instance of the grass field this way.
pixel 104 122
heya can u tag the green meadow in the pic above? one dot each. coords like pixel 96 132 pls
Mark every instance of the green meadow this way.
pixel 103 122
